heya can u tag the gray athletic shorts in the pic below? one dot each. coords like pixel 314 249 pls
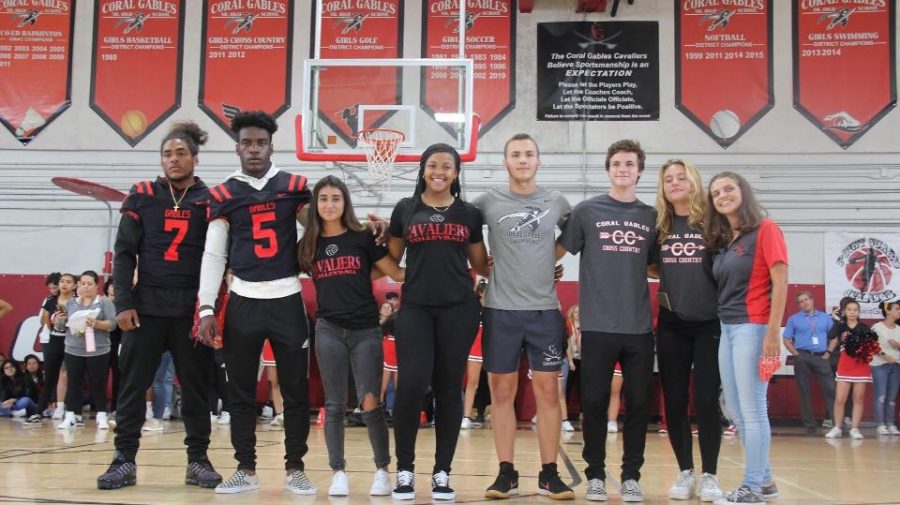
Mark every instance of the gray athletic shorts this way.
pixel 540 333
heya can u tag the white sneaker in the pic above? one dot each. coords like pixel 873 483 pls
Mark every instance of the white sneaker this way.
pixel 298 483
pixel 59 412
pixel 277 421
pixel 596 490
pixel 381 484
pixel 102 421
pixel 882 430
pixel 19 413
pixel 167 414
pixel 406 486
pixel 267 412
pixel 238 483
pixel 153 424
pixel 339 485
pixel 567 426
pixel 847 423
pixel 709 488
pixel 466 423
pixel 213 419
pixel 149 413
pixel 834 433
pixel 224 418
pixel 683 488
pixel 892 429
pixel 631 491
pixel 534 419
pixel 67 422
pixel 855 434
pixel 612 427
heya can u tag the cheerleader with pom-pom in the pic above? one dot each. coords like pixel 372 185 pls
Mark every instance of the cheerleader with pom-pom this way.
pixel 858 345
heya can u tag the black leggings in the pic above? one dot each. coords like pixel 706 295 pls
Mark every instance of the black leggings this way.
pixel 54 354
pixel 679 345
pixel 432 350
pixel 97 368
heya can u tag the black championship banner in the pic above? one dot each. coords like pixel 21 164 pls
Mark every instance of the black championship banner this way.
pixel 723 65
pixel 603 71
pixel 359 30
pixel 136 74
pixel 35 64
pixel 845 64
pixel 246 59
pixel 491 44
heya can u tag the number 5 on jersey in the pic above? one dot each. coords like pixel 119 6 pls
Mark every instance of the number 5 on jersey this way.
pixel 269 246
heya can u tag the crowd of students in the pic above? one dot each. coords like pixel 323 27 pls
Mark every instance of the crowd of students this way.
pixel 721 263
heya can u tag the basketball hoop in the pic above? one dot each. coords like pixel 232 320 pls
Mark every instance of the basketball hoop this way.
pixel 381 146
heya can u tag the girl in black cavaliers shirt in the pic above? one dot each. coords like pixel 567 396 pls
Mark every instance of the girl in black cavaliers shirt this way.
pixel 340 255
pixel 439 316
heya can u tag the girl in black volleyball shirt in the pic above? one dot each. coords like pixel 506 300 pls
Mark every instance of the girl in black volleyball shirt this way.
pixel 439 317
pixel 339 254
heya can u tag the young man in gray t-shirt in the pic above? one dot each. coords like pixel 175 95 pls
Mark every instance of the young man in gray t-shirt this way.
pixel 616 236
pixel 521 312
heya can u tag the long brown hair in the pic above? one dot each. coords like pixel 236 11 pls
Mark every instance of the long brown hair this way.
pixel 312 228
pixel 718 232
pixel 665 212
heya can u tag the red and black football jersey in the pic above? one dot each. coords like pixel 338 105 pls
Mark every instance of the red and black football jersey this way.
pixel 171 247
pixel 262 237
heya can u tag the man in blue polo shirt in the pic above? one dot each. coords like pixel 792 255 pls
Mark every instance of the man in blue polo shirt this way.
pixel 805 337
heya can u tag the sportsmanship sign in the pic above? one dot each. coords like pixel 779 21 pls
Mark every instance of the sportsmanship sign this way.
pixel 136 75
pixel 603 71
pixel 844 64
pixel 862 267
pixel 35 64
pixel 246 62
pixel 723 65
pixel 490 43
pixel 359 30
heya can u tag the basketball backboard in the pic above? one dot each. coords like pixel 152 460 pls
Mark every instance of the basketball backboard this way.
pixel 429 100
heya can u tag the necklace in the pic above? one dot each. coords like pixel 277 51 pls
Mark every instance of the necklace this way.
pixel 440 209
pixel 177 202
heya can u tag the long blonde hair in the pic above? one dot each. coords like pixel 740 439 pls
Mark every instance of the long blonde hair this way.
pixel 697 202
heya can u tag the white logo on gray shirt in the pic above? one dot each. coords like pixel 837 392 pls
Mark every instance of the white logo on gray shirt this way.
pixel 530 219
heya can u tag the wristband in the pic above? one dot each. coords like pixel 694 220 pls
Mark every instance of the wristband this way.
pixel 207 312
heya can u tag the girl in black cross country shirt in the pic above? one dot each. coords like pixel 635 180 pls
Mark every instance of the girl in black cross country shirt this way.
pixel 339 254
pixel 438 318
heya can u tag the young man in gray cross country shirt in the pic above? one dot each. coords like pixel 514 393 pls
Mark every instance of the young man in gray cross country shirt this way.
pixel 522 313
pixel 616 235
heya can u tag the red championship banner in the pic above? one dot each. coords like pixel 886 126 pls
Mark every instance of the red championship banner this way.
pixel 723 65
pixel 844 64
pixel 359 30
pixel 35 64
pixel 490 28
pixel 136 75
pixel 246 59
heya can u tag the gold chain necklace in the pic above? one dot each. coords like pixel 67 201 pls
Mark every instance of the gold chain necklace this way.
pixel 441 209
pixel 177 202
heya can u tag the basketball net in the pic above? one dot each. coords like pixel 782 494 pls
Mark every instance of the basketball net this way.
pixel 381 146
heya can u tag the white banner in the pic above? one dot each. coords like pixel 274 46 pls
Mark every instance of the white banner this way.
pixel 862 266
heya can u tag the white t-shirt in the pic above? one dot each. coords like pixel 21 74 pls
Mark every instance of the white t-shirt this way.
pixel 885 334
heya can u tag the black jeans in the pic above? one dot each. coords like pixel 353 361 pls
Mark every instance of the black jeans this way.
pixel 54 355
pixel 432 350
pixel 97 368
pixel 138 361
pixel 248 323
pixel 681 344
pixel 599 353
pixel 806 364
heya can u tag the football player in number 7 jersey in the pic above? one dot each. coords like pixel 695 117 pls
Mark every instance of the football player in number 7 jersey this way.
pixel 161 234
pixel 253 228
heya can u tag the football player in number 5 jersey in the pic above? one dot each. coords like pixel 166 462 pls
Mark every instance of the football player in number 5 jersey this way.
pixel 253 228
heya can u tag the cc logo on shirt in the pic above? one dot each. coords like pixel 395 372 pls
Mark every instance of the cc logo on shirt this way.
pixel 437 218
pixel 331 250
pixel 681 248
pixel 624 237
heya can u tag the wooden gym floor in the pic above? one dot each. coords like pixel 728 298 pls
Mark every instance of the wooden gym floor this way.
pixel 39 464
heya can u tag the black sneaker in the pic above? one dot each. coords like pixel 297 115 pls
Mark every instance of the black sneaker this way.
pixel 201 473
pixel 551 485
pixel 506 485
pixel 440 487
pixel 120 473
